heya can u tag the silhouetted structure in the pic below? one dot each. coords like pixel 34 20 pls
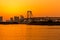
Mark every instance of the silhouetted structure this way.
pixel 16 19
pixel 7 21
pixel 32 20
pixel 1 19
pixel 21 19
pixel 11 19
pixel 29 14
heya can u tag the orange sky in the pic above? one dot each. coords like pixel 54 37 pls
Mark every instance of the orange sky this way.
pixel 9 8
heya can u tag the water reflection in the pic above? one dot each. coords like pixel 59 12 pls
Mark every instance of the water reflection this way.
pixel 29 32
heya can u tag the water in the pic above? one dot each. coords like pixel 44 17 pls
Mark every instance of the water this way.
pixel 29 32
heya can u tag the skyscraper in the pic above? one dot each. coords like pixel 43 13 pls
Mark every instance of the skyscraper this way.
pixel 11 19
pixel 1 19
pixel 16 19
pixel 21 19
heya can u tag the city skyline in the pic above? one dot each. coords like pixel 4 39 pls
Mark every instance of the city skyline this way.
pixel 9 8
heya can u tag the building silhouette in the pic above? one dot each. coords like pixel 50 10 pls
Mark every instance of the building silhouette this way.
pixel 1 19
pixel 7 21
pixel 21 19
pixel 16 19
pixel 11 19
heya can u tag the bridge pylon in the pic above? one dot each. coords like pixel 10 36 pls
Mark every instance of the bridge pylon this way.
pixel 29 14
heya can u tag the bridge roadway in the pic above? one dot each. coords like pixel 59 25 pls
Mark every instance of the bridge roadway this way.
pixel 37 19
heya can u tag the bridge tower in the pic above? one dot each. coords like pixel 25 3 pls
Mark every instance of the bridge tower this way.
pixel 29 14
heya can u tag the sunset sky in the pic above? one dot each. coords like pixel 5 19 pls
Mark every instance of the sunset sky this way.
pixel 10 8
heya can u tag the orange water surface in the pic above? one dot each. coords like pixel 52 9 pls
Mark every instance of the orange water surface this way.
pixel 29 32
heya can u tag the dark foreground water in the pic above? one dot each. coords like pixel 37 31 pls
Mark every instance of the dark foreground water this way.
pixel 29 32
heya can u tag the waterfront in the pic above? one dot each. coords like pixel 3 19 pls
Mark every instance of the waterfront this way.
pixel 29 32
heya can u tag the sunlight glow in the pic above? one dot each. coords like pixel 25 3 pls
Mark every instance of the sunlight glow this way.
pixel 10 6
pixel 18 7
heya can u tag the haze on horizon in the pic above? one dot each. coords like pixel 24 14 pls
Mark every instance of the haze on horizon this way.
pixel 9 8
